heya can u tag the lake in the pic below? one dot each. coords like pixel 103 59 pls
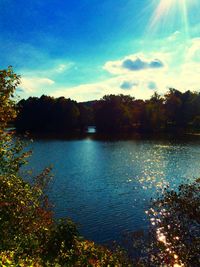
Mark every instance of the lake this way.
pixel 106 185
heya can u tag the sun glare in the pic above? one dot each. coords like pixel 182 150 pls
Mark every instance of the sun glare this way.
pixel 170 14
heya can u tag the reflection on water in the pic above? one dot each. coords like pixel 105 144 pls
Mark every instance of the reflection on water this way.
pixel 106 186
pixel 168 254
pixel 169 248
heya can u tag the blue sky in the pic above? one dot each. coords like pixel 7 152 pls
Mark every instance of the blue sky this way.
pixel 84 49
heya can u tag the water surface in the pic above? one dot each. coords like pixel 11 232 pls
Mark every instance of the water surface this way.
pixel 106 186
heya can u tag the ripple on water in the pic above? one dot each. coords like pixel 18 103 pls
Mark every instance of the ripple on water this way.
pixel 107 186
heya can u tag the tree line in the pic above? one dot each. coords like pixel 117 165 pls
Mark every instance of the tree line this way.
pixel 48 114
pixel 175 111
pixel 172 112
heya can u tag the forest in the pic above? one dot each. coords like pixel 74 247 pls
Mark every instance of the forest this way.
pixel 173 112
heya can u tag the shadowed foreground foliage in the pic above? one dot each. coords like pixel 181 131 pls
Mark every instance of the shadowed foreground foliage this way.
pixel 174 236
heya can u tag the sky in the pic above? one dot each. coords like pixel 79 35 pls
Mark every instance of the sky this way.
pixel 85 49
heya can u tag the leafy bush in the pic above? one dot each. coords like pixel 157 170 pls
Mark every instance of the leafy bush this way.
pixel 175 232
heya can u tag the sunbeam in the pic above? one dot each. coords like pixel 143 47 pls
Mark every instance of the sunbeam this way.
pixel 171 15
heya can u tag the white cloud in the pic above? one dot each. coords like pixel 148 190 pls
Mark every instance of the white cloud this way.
pixel 61 68
pixel 177 65
pixel 133 63
pixel 94 91
pixel 127 85
pixel 178 71
pixel 175 36
pixel 193 53
pixel 40 80
pixel 33 84
pixel 56 68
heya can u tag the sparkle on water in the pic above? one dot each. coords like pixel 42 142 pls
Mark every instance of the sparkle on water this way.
pixel 106 186
pixel 161 236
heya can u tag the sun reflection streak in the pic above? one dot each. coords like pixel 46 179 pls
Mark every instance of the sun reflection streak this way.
pixel 162 237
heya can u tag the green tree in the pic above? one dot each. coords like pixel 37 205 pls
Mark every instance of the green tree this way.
pixel 155 113
pixel 176 226
pixel 23 220
pixel 114 113
pixel 10 160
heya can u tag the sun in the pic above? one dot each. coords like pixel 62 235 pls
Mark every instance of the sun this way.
pixel 171 14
